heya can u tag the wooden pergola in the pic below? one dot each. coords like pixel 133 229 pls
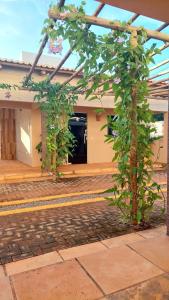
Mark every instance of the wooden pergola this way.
pixel 159 89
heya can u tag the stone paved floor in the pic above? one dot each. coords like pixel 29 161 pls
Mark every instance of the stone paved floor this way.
pixel 15 191
pixel 130 267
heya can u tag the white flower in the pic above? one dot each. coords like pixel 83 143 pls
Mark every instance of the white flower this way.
pixel 117 80
pixel 52 127
pixel 120 40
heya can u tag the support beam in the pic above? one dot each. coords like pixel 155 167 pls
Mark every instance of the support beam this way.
pixel 73 76
pixel 159 74
pixel 133 18
pixel 160 29
pixel 164 62
pixel 69 52
pixel 110 24
pixel 158 81
pixel 159 93
pixel 164 86
pixel 165 46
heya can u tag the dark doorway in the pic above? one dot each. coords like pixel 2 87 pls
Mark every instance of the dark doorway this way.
pixel 78 126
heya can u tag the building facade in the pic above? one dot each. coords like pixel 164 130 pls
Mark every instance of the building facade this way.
pixel 21 121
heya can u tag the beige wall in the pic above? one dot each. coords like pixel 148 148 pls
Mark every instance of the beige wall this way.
pixel 23 136
pixel 159 147
pixel 98 151
pixel 36 136
pixel 28 130
pixel 28 121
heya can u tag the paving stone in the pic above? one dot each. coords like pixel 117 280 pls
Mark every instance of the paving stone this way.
pixel 156 250
pixel 33 263
pixel 155 232
pixel 5 289
pixel 88 223
pixel 81 250
pixel 153 289
pixel 122 240
pixel 118 268
pixel 65 281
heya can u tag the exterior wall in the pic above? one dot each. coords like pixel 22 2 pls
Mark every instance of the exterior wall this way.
pixel 28 120
pixel 98 151
pixel 28 130
pixel 36 136
pixel 23 136
pixel 160 146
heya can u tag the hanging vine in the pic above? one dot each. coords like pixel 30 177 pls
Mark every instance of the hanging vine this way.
pixel 56 102
pixel 118 62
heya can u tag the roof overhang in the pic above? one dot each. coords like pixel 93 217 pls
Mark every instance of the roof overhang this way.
pixel 151 8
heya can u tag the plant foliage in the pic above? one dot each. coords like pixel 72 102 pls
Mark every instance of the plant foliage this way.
pixel 118 62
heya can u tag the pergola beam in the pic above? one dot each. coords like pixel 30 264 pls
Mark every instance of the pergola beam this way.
pixel 160 87
pixel 164 62
pixel 110 24
pixel 159 93
pixel 157 82
pixel 133 18
pixel 159 74
pixel 160 29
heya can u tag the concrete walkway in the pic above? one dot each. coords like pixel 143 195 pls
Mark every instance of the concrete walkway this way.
pixel 132 266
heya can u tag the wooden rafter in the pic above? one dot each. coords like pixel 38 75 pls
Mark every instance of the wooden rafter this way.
pixel 162 63
pixel 157 82
pixel 163 86
pixel 159 74
pixel 160 29
pixel 133 18
pixel 110 24
pixel 159 92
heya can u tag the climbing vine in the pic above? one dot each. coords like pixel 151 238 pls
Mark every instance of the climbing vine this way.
pixel 56 102
pixel 117 61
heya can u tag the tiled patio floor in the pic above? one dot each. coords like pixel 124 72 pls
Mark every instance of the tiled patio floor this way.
pixel 131 267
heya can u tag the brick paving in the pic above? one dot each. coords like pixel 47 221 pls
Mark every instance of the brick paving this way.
pixel 17 191
pixel 30 234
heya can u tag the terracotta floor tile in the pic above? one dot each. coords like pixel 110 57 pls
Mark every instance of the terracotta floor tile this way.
pixel 65 281
pixel 82 250
pixel 150 233
pixel 122 240
pixel 118 268
pixel 153 289
pixel 5 289
pixel 156 250
pixel 33 263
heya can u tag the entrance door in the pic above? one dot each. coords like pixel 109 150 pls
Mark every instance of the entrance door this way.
pixel 8 135
pixel 78 126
